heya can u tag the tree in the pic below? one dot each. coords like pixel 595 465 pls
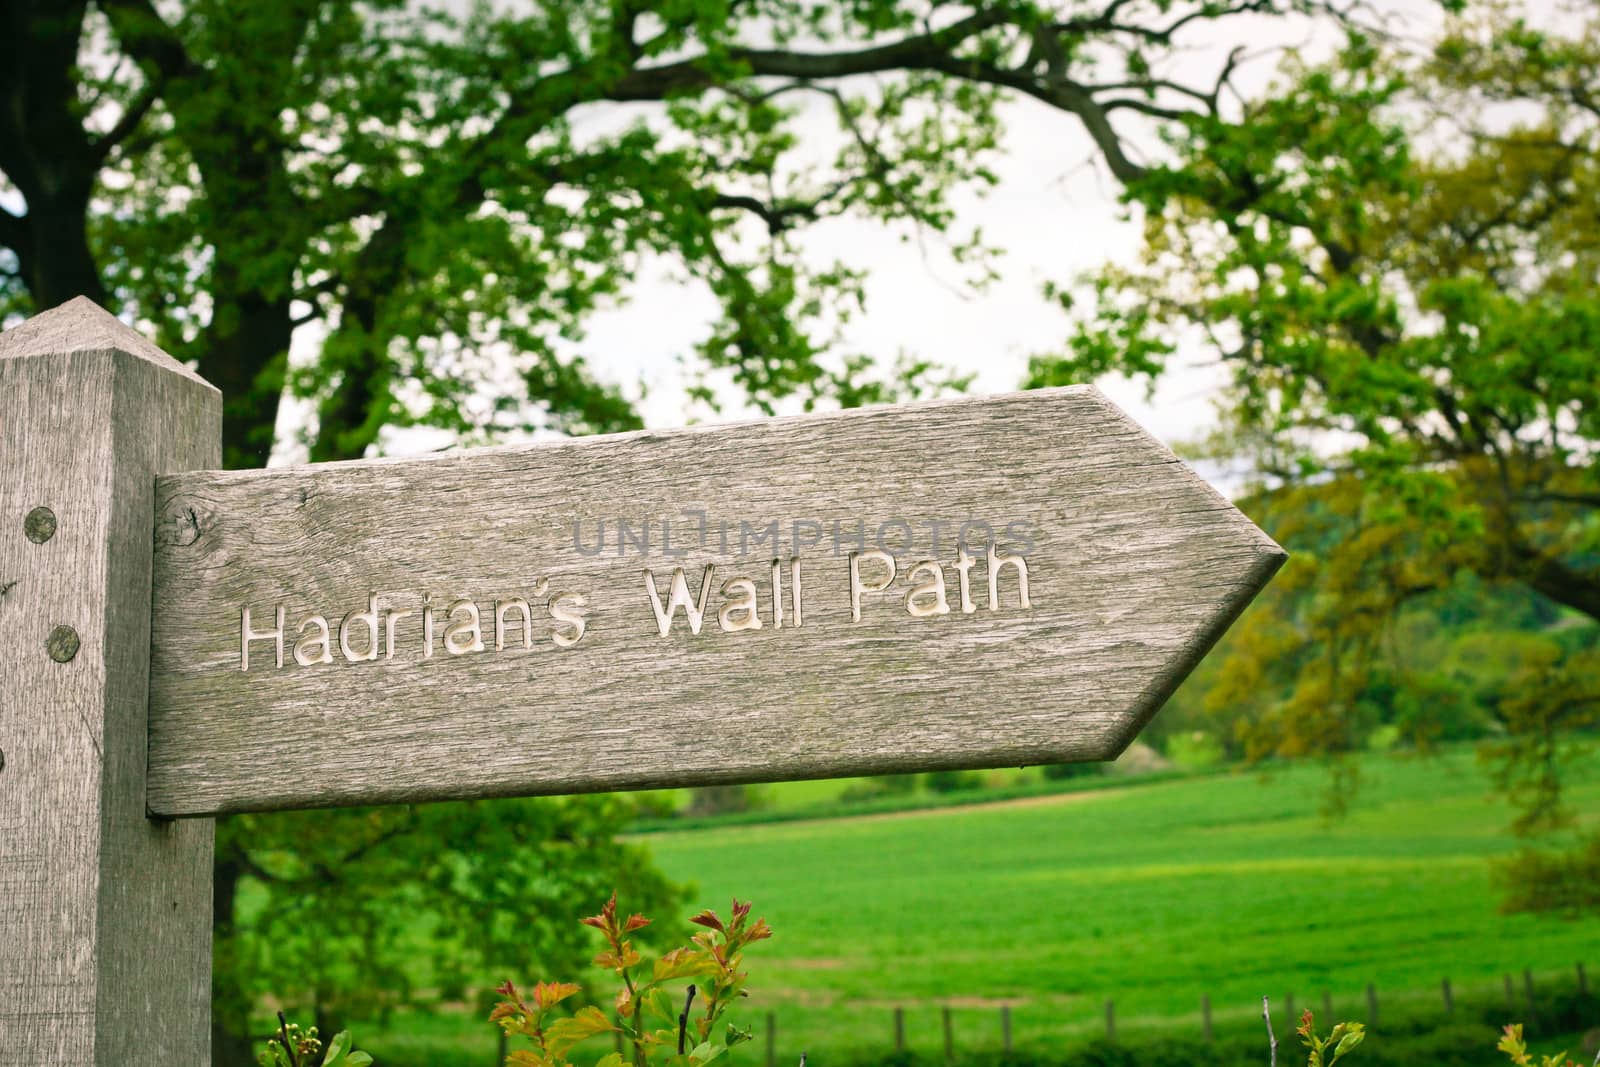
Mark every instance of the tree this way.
pixel 414 190
pixel 1403 286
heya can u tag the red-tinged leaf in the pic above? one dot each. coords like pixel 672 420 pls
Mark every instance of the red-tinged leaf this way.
pixel 708 918
pixel 635 922
pixel 523 1058
pixel 506 989
pixel 759 932
pixel 607 919
pixel 503 1010
pixel 624 1002
pixel 548 994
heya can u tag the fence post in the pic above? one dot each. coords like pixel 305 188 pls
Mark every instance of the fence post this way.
pixel 106 957
pixel 899 1029
pixel 949 1037
pixel 1449 998
pixel 1111 1021
pixel 1583 981
pixel 1372 1006
pixel 1327 1007
pixel 772 1039
pixel 1288 1010
pixel 1005 1027
pixel 1205 1015
pixel 1527 987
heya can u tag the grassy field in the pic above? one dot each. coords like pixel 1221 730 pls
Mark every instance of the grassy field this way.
pixel 1229 886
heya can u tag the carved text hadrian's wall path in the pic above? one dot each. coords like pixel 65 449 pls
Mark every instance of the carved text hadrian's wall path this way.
pixel 987 581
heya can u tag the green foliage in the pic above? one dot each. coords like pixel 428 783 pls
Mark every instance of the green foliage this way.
pixel 1343 1039
pixel 292 1047
pixel 654 1032
pixel 952 781
pixel 391 907
pixel 1399 280
pixel 1516 1051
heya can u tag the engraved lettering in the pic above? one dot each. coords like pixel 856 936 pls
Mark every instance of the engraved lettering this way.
pixel 427 627
pixel 934 586
pixel 246 635
pixel 740 614
pixel 470 628
pixel 856 586
pixel 369 618
pixel 693 610
pixel 322 640
pixel 794 590
pixel 777 594
pixel 564 609
pixel 995 563
pixel 964 564
pixel 502 609
pixel 390 618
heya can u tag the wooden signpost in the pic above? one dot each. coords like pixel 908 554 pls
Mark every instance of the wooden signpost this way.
pixel 979 582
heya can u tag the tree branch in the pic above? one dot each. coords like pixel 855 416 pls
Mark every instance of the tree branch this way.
pixel 132 116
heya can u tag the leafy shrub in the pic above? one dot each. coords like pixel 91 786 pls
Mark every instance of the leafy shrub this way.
pixel 655 1035
pixel 952 781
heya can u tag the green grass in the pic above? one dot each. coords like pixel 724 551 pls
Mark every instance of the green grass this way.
pixel 1228 885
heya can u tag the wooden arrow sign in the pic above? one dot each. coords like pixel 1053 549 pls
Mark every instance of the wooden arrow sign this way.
pixel 981 582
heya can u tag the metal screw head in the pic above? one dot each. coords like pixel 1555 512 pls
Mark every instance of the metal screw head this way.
pixel 62 644
pixel 39 525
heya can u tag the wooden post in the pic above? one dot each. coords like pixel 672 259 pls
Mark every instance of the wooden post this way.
pixel 1583 981
pixel 105 955
pixel 1449 998
pixel 1527 989
pixel 1372 1006
pixel 1288 1010
pixel 1511 994
pixel 772 1039
pixel 949 1037
pixel 1111 1021
pixel 899 1029
pixel 1005 1027
pixel 1327 1007
pixel 1205 1016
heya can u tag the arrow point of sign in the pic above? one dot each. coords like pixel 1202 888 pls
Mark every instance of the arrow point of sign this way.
pixel 1253 559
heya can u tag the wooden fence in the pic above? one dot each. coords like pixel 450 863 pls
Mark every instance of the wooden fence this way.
pixel 1522 1000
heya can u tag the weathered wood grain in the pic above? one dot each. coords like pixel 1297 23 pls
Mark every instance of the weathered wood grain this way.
pixel 105 915
pixel 1135 567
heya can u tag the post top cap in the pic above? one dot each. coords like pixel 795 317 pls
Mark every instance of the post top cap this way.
pixel 81 325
